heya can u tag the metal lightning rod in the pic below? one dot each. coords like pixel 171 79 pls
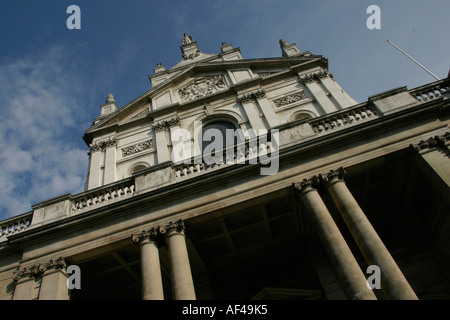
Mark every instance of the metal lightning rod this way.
pixel 432 74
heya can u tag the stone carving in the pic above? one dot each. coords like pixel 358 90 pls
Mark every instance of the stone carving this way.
pixel 201 87
pixel 141 114
pixel 177 225
pixel 37 270
pixel 290 99
pixel 265 74
pixel 152 234
pixel 315 76
pixel 103 144
pixel 432 142
pixel 249 96
pixel 192 55
pixel 339 173
pixel 305 183
pixel 127 151
pixel 187 39
pixel 166 123
pixel 157 233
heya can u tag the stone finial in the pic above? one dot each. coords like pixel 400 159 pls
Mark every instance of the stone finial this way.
pixel 159 68
pixel 108 107
pixel 289 50
pixel 283 43
pixel 110 98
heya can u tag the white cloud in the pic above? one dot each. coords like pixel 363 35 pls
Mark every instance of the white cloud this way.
pixel 40 155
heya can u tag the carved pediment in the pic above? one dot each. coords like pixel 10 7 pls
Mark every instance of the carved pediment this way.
pixel 202 86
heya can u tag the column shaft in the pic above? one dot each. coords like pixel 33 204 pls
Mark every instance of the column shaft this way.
pixel 393 282
pixel 345 265
pixel 182 283
pixel 54 286
pixel 152 287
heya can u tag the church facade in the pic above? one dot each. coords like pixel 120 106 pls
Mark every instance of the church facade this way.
pixel 236 178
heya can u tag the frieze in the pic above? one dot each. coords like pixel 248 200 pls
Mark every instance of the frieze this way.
pixel 250 96
pixel 289 99
pixel 103 144
pixel 201 87
pixel 128 151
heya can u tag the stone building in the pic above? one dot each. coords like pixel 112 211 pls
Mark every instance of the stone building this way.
pixel 312 195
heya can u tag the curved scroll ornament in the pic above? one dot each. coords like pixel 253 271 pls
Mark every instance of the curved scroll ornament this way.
pixel 201 87
pixel 339 173
pixel 151 234
pixel 306 183
pixel 38 270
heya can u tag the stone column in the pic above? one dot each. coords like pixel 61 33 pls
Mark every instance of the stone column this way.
pixel 393 282
pixel 182 283
pixel 344 263
pixel 152 287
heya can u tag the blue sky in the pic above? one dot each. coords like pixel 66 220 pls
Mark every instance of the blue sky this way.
pixel 52 79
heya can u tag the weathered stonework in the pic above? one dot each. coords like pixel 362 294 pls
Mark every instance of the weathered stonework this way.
pixel 294 97
pixel 127 151
pixel 201 87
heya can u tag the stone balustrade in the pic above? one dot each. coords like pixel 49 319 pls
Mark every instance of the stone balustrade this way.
pixel 238 154
pixel 15 224
pixel 343 118
pixel 433 91
pixel 104 194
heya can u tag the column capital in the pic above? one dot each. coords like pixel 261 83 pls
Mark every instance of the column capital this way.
pixel 251 96
pixel 151 235
pixel 306 185
pixel 332 176
pixel 38 269
pixel 177 226
pixel 431 143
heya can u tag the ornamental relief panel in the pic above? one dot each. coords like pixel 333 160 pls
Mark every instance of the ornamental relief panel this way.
pixel 127 151
pixel 202 86
pixel 291 98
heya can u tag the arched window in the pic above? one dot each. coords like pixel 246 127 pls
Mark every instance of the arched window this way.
pixel 136 168
pixel 219 135
pixel 302 116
